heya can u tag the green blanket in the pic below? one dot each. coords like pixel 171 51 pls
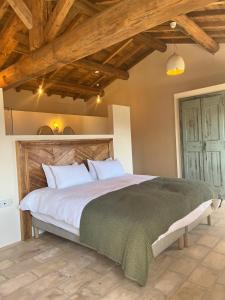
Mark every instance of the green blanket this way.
pixel 123 224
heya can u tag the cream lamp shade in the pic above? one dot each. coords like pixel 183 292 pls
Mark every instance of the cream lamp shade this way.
pixel 175 65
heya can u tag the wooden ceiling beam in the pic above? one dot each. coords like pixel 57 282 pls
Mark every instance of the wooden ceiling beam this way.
pixel 101 68
pixel 3 7
pixel 36 34
pixel 151 42
pixel 115 24
pixel 72 88
pixel 22 11
pixel 8 40
pixel 197 34
pixel 57 18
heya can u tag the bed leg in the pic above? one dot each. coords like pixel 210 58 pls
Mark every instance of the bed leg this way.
pixel 209 220
pixel 36 233
pixel 181 243
pixel 186 238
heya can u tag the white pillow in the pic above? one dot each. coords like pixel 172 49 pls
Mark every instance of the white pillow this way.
pixel 92 168
pixel 108 169
pixel 66 176
pixel 49 176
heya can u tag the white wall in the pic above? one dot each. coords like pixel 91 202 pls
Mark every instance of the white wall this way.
pixel 26 122
pixel 9 217
pixel 120 126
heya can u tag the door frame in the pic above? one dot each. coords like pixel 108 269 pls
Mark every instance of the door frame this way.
pixel 177 99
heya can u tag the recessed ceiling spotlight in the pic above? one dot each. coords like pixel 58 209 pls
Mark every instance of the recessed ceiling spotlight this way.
pixel 97 72
pixel 97 84
pixel 173 25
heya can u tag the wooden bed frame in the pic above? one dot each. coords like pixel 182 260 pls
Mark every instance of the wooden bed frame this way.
pixel 31 155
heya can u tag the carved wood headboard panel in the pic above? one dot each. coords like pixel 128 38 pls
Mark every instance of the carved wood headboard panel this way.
pixel 31 154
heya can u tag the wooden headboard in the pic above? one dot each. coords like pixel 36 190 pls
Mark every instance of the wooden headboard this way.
pixel 31 155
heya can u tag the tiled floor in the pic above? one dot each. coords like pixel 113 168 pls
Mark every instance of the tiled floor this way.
pixel 52 268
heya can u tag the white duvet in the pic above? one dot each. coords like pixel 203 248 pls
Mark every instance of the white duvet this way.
pixel 67 204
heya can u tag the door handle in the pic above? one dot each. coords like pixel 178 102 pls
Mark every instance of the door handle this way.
pixel 204 146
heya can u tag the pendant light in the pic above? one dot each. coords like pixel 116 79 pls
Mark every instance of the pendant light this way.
pixel 175 64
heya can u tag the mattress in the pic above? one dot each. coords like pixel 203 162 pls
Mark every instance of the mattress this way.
pixel 191 217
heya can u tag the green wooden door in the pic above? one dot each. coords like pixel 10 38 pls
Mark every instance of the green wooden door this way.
pixel 203 135
pixel 192 140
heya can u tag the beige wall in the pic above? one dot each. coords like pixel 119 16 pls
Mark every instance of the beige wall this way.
pixel 150 93
pixel 28 123
pixel 27 101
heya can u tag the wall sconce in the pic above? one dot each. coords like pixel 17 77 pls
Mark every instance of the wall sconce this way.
pixel 98 99
pixel 40 90
pixel 56 128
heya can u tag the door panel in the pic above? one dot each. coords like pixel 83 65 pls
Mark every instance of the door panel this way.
pixel 213 141
pixel 192 140
pixel 213 168
pixel 193 165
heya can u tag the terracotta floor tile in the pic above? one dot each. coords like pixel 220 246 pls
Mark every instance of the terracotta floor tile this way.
pixel 217 293
pixel 220 247
pixel 203 276
pixel 208 240
pixel 168 282
pixel 215 261
pixel 189 291
pixel 183 265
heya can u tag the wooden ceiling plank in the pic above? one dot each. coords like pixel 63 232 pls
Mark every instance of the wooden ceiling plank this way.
pixel 118 50
pixel 3 7
pixel 102 68
pixel 141 57
pixel 197 34
pixel 115 24
pixel 57 18
pixel 76 22
pixel 87 8
pixel 133 52
pixel 36 34
pixel 215 5
pixel 109 58
pixel 22 11
pixel 151 42
pixel 210 26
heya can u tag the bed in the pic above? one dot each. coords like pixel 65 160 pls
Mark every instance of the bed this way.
pixel 30 156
